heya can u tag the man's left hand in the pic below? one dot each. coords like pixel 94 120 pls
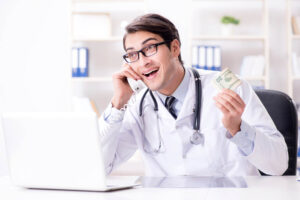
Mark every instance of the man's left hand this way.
pixel 232 107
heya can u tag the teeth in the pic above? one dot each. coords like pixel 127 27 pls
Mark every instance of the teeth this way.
pixel 149 72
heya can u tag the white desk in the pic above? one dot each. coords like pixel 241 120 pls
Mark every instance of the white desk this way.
pixel 273 188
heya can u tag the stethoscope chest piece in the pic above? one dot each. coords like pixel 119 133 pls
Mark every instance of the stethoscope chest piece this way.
pixel 197 138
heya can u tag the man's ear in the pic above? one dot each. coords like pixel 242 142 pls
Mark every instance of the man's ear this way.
pixel 175 47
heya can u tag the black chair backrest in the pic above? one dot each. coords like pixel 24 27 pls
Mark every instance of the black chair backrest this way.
pixel 282 110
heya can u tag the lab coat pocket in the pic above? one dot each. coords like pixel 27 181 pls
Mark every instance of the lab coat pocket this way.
pixel 211 154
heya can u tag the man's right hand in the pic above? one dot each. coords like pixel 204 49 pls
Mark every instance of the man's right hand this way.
pixel 122 89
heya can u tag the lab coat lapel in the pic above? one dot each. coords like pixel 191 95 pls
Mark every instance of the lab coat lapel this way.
pixel 188 105
pixel 162 110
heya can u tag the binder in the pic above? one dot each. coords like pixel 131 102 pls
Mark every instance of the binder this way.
pixel 216 58
pixel 195 58
pixel 202 57
pixel 75 62
pixel 83 62
pixel 209 57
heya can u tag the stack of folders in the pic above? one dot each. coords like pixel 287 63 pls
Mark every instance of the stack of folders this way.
pixel 80 63
pixel 206 57
pixel 253 66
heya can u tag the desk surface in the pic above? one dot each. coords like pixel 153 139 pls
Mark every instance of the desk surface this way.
pixel 275 187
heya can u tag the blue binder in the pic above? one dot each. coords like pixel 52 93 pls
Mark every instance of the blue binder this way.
pixel 83 61
pixel 75 62
pixel 216 58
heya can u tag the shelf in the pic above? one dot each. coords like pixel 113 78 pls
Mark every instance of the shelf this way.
pixel 107 39
pixel 195 1
pixel 255 78
pixel 232 37
pixel 108 6
pixel 228 3
pixel 101 1
pixel 91 79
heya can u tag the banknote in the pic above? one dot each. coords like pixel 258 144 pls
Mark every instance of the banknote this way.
pixel 226 79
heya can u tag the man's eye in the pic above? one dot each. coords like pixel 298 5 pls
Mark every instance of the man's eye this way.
pixel 131 55
pixel 149 48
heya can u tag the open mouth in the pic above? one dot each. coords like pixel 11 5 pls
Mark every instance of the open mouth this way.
pixel 151 73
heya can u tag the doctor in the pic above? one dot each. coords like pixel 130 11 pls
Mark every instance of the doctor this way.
pixel 238 137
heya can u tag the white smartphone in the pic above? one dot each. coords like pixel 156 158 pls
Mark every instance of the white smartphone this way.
pixel 136 86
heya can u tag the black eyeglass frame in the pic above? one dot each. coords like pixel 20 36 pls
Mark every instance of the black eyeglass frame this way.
pixel 141 51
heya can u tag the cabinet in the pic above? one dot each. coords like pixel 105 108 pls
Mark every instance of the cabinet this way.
pixel 250 37
pixel 98 25
pixel 293 42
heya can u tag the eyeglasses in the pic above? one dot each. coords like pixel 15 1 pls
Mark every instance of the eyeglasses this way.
pixel 147 51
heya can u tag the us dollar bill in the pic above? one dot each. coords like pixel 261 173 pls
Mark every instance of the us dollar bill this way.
pixel 226 79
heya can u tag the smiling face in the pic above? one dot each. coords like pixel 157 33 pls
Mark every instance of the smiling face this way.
pixel 160 72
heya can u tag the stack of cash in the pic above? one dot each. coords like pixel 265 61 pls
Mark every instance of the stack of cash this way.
pixel 226 79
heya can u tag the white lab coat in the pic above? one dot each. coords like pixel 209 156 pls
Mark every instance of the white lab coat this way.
pixel 218 157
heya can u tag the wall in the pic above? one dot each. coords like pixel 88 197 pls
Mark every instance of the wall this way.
pixel 34 53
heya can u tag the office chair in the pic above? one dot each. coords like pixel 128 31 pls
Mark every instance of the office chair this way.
pixel 282 110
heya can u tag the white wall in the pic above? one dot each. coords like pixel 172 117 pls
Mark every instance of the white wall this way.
pixel 34 53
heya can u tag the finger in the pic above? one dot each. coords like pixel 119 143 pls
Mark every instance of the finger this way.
pixel 128 74
pixel 235 96
pixel 222 108
pixel 128 69
pixel 237 105
pixel 225 103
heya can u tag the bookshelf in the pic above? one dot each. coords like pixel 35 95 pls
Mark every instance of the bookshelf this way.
pixel 105 58
pixel 232 37
pixel 104 45
pixel 292 42
pixel 104 39
pixel 256 38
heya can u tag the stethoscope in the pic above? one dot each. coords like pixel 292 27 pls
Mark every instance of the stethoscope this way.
pixel 197 137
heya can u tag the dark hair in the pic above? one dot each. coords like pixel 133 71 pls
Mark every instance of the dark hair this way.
pixel 156 24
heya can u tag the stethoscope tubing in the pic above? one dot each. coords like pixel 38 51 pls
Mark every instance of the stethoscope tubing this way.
pixel 198 92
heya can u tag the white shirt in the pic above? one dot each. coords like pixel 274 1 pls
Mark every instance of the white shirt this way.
pixel 257 146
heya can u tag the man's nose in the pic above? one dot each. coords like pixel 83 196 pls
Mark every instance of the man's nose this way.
pixel 143 60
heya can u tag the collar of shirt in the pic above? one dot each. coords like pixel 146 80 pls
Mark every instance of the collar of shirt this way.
pixel 179 93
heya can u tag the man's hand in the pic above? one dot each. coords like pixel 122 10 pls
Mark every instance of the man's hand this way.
pixel 232 107
pixel 122 89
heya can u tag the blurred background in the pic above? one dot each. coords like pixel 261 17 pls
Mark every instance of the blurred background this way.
pixel 59 55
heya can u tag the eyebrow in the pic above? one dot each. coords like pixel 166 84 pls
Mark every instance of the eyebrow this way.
pixel 144 42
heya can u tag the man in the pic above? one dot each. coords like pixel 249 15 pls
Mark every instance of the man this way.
pixel 239 137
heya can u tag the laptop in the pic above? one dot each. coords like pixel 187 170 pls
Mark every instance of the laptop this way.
pixel 51 150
